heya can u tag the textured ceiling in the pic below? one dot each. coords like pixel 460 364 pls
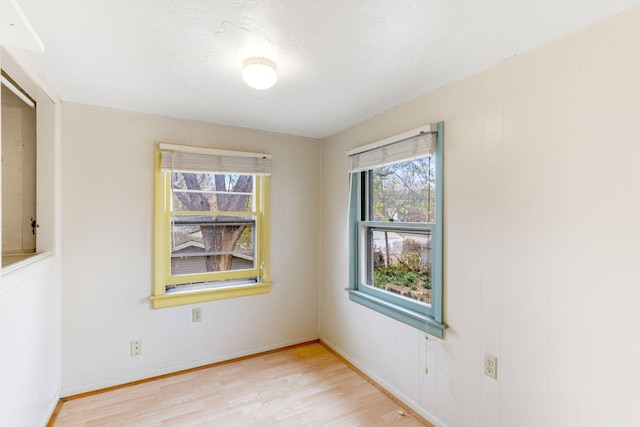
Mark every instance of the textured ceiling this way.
pixel 339 62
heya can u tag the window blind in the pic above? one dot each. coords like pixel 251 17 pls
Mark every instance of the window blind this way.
pixel 408 146
pixel 207 160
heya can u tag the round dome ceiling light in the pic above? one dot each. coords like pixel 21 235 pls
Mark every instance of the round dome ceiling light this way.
pixel 259 73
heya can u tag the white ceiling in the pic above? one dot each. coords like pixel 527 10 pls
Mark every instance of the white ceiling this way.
pixel 339 62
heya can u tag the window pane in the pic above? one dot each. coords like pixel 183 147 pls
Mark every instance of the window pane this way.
pixel 211 192
pixel 401 263
pixel 202 244
pixel 404 192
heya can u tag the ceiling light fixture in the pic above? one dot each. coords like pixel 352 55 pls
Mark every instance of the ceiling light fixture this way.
pixel 259 73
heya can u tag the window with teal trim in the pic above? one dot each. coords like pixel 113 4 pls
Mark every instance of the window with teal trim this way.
pixel 396 238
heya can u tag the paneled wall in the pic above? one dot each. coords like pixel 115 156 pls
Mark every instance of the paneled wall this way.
pixel 541 242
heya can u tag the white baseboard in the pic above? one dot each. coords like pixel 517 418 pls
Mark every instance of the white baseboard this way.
pixel 388 387
pixel 179 367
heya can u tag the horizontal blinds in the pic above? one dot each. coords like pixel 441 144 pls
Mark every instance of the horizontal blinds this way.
pixel 416 146
pixel 214 161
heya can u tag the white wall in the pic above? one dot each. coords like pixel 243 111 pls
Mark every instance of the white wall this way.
pixel 107 242
pixel 542 234
pixel 30 349
pixel 30 290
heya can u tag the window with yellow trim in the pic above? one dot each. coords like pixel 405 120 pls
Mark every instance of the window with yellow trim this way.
pixel 211 224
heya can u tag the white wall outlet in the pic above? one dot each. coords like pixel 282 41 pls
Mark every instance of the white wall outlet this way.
pixel 136 348
pixel 196 314
pixel 490 366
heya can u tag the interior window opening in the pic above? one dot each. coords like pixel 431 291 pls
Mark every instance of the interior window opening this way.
pixel 19 223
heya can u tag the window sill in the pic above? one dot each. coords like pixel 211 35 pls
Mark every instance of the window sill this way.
pixel 20 262
pixel 412 318
pixel 196 296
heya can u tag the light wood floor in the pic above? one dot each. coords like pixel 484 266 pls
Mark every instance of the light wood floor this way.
pixel 300 386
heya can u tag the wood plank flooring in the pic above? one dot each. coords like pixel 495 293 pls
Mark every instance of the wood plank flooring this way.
pixel 299 386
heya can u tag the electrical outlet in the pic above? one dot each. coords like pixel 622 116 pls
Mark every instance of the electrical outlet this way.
pixel 136 348
pixel 196 314
pixel 490 366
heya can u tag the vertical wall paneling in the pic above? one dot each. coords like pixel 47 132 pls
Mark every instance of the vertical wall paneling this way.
pixel 491 277
pixel 564 230
pixel 541 240
pixel 609 227
pixel 525 237
pixel 463 241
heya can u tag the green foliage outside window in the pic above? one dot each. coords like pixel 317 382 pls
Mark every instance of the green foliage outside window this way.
pixel 403 193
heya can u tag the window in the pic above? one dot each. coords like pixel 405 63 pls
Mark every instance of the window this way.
pixel 18 172
pixel 211 224
pixel 395 218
